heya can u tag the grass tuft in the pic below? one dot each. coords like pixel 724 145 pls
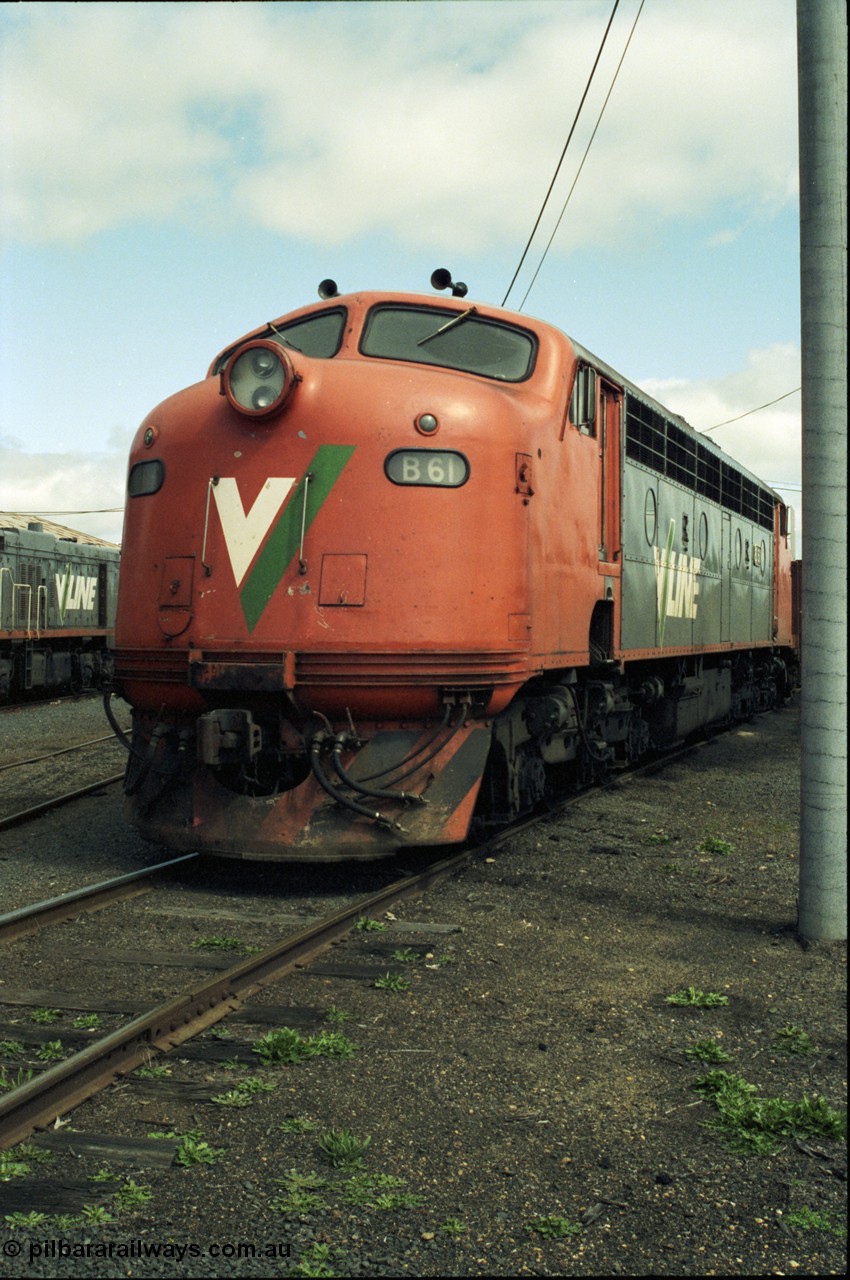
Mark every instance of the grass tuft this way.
pixel 693 998
pixel 754 1125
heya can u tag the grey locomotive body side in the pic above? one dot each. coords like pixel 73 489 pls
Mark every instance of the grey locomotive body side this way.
pixel 57 611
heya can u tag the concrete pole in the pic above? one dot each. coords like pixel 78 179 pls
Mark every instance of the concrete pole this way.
pixel 822 89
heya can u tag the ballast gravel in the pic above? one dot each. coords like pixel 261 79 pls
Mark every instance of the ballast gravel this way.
pixel 525 1102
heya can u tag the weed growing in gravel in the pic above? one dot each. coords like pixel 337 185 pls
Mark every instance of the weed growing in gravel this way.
pixel 795 1040
pixel 233 1098
pixel 24 1221
pixel 406 955
pixel 104 1174
pixel 317 1261
pixel 12 1049
pixel 38 1155
pixel 391 1200
pixel 192 1149
pixel 364 1188
pixel 343 1149
pixel 296 1124
pixel 11 1167
pixel 153 1073
pixel 712 844
pixel 453 1227
pixel 219 1032
pixel 304 1193
pixel 553 1228
pixel 96 1214
pixel 814 1220
pixel 393 982
pixel 299 1193
pixel 331 1044
pixel 283 1045
pixel 371 926
pixel 245 1092
pixel 214 942
pixel 657 837
pixel 708 1051
pixel 336 1015
pixel 10 1082
pixel 131 1195
pixel 67 1221
pixel 87 1022
pixel 52 1051
pixel 696 999
pixel 753 1125
pixel 18 1161
pixel 46 1015
pixel 255 1084
pixel 286 1045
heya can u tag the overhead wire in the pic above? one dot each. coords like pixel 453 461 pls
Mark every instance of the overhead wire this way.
pixel 717 425
pixel 584 157
pixel 749 411
pixel 95 511
pixel 563 153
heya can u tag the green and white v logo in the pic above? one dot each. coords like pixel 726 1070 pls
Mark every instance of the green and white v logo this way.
pixel 244 532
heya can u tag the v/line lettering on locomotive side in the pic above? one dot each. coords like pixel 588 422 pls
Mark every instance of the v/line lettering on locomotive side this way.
pixel 75 591
pixel 278 518
pixel 676 585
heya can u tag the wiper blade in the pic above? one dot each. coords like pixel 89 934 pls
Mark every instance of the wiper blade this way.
pixel 284 340
pixel 450 324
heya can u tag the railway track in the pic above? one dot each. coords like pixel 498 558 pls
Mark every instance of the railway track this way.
pixel 164 1026
pixel 170 1023
pixel 31 785
pixel 161 1028
pixel 56 802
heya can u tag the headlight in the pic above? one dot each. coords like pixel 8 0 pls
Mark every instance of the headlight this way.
pixel 259 378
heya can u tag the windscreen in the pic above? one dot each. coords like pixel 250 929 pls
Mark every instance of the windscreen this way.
pixel 319 336
pixel 453 339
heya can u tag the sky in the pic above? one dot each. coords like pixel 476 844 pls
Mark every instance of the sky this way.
pixel 175 175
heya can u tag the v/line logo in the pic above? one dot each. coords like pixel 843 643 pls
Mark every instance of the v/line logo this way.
pixel 75 591
pixel 263 541
pixel 676 583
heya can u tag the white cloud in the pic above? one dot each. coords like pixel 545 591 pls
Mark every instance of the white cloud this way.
pixel 430 122
pixel 79 490
pixel 767 442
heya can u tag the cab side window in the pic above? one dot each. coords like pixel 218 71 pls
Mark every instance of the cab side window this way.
pixel 583 401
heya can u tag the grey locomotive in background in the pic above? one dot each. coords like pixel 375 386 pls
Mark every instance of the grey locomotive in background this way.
pixel 57 608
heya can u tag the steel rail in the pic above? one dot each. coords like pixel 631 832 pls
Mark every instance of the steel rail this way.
pixel 92 897
pixel 62 1087
pixel 63 751
pixel 24 815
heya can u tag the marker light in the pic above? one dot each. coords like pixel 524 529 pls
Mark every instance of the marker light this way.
pixel 259 378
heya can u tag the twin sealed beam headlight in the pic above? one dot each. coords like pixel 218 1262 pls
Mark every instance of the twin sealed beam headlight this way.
pixel 259 378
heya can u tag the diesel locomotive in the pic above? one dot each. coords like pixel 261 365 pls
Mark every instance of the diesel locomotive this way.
pixel 400 563
pixel 58 591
